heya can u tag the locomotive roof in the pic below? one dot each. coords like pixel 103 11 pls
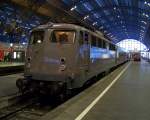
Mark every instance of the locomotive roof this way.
pixel 68 26
pixel 60 25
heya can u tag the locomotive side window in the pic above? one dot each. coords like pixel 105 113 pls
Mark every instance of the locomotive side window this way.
pixel 99 43
pixel 36 37
pixel 81 38
pixel 94 41
pixel 63 36
pixel 104 44
pixel 112 47
pixel 86 38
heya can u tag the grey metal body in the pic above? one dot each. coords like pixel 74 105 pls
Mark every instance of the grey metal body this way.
pixel 45 58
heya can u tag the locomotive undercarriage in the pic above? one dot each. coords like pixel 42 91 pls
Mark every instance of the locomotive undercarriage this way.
pixel 51 88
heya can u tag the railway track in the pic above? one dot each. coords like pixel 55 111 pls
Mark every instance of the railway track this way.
pixel 19 107
pixel 11 110
pixel 29 111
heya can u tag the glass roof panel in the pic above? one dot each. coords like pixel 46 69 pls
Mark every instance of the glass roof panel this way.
pixel 132 45
pixel 100 2
pixel 87 6
pixel 112 12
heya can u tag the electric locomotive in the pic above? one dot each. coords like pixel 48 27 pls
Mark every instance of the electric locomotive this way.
pixel 62 57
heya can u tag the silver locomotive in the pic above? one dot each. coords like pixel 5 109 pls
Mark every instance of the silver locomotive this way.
pixel 62 57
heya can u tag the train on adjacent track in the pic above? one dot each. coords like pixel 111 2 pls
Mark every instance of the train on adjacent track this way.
pixel 136 56
pixel 62 57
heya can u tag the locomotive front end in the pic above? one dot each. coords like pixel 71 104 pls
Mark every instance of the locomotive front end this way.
pixel 50 61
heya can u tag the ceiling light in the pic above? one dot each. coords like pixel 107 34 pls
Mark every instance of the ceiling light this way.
pixel 114 8
pixel 94 23
pixel 144 22
pixel 146 15
pixel 105 31
pixel 143 27
pixel 101 27
pixel 73 8
pixel 146 3
pixel 87 16
pixel 142 31
pixel 11 44
pixel 23 43
pixel 109 34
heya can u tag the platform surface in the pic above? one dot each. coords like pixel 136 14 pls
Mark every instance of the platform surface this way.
pixel 8 84
pixel 127 99
pixel 8 64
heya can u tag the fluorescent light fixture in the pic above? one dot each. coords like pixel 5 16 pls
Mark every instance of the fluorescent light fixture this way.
pixel 146 15
pixel 109 34
pixel 144 22
pixel 23 43
pixel 11 44
pixel 101 27
pixel 94 23
pixel 143 27
pixel 87 16
pixel 73 8
pixel 15 55
pixel 115 8
pixel 105 31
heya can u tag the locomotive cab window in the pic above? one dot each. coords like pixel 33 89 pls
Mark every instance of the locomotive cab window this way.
pixel 36 37
pixel 63 36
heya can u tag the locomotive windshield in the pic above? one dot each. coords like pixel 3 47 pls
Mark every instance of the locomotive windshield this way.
pixel 63 36
pixel 37 37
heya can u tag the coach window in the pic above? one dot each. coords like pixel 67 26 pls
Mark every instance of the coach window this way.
pixel 81 38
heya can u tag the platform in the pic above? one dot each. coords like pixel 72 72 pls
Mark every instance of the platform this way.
pixel 122 95
pixel 7 68
pixel 9 64
pixel 8 84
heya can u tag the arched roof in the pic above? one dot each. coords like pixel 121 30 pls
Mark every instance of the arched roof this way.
pixel 118 19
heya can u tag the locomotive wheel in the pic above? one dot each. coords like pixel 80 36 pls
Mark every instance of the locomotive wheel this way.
pixel 21 86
